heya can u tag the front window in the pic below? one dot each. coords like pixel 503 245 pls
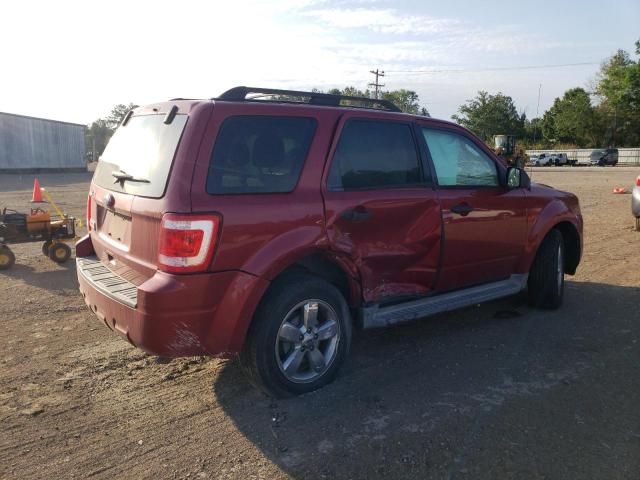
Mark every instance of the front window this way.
pixel 458 161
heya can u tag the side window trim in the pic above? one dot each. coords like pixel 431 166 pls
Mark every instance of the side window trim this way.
pixel 425 157
pixel 342 123
pixel 499 170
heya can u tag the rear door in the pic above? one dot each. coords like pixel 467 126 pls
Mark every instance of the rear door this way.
pixel 484 223
pixel 382 212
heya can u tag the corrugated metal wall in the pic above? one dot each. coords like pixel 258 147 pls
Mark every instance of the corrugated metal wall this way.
pixel 35 143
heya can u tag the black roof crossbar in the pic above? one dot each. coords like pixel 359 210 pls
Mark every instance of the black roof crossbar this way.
pixel 239 94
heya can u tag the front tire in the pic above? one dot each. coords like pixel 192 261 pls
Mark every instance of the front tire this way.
pixel 299 337
pixel 59 252
pixel 7 258
pixel 546 277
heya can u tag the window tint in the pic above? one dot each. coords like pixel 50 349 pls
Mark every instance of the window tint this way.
pixel 374 154
pixel 259 154
pixel 458 162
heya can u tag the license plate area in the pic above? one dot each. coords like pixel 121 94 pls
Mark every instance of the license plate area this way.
pixel 115 228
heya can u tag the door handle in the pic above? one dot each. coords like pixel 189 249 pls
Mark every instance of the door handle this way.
pixel 357 214
pixel 463 209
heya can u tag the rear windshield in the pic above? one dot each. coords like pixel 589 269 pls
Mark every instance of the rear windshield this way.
pixel 143 149
pixel 259 154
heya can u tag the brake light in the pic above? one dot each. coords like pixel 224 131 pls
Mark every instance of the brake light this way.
pixel 89 213
pixel 638 181
pixel 187 242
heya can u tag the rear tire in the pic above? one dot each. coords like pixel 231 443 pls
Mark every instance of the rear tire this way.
pixel 282 355
pixel 637 224
pixel 546 277
pixel 7 258
pixel 59 252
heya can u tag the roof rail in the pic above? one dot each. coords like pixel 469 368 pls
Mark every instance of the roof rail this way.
pixel 241 94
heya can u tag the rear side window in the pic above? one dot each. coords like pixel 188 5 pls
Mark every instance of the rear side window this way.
pixel 259 154
pixel 144 148
pixel 459 162
pixel 375 154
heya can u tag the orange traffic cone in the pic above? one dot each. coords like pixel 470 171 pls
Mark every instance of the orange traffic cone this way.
pixel 37 192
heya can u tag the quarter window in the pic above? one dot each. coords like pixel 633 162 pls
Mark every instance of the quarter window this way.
pixel 257 154
pixel 458 161
pixel 374 154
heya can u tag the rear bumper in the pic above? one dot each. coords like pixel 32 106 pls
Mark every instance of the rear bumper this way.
pixel 180 315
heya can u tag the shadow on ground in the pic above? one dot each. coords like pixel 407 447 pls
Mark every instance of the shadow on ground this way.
pixel 62 278
pixel 494 391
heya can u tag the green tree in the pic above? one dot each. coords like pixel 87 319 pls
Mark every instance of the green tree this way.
pixel 572 119
pixel 618 87
pixel 97 134
pixel 117 114
pixel 353 92
pixel 488 115
pixel 532 131
pixel 406 100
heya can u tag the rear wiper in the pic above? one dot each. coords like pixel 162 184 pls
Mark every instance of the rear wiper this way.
pixel 122 176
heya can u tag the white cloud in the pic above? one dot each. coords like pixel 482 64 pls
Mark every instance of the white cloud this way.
pixel 381 20
pixel 74 59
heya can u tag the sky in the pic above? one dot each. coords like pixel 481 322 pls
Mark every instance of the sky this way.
pixel 74 60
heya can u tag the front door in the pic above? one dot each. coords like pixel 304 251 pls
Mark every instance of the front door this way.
pixel 382 212
pixel 484 222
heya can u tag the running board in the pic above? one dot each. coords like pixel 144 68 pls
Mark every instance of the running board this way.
pixel 375 316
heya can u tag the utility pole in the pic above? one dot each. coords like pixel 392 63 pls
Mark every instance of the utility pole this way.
pixel 537 113
pixel 377 73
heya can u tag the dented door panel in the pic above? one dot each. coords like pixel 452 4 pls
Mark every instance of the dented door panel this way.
pixel 396 248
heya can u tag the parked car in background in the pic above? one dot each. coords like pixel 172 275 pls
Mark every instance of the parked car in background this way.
pixel 560 159
pixel 542 160
pixel 604 156
pixel 272 228
pixel 635 203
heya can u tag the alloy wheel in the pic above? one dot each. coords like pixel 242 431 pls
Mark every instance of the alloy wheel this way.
pixel 307 341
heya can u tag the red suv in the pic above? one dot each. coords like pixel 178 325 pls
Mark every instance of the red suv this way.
pixel 269 223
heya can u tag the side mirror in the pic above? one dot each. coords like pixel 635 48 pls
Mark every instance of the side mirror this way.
pixel 517 178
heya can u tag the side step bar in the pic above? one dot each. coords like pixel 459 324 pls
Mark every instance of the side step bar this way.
pixel 376 317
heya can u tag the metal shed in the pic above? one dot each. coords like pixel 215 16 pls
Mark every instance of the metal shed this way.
pixel 30 144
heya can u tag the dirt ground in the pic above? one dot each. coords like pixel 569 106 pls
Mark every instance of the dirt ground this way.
pixel 494 391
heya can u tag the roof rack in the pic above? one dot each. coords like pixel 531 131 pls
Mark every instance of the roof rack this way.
pixel 241 94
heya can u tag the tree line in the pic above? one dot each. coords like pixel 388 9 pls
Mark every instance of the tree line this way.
pixel 97 134
pixel 606 115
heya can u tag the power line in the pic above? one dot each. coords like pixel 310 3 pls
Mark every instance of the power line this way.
pixel 492 69
pixel 376 84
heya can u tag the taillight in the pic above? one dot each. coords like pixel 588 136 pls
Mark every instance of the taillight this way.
pixel 89 213
pixel 638 181
pixel 187 242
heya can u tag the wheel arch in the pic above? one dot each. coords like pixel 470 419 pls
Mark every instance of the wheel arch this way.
pixel 334 269
pixel 556 215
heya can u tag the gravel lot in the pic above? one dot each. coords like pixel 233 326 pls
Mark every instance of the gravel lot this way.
pixel 494 391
